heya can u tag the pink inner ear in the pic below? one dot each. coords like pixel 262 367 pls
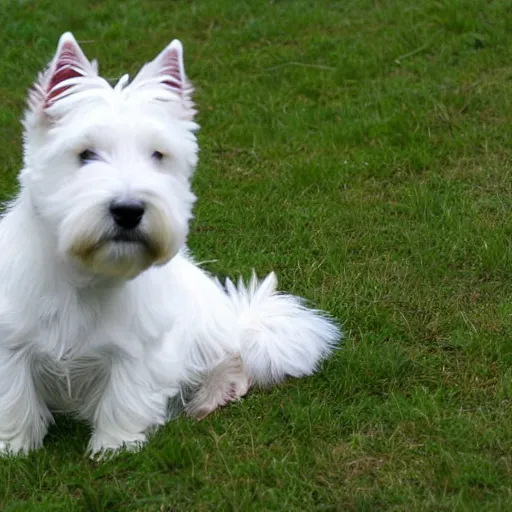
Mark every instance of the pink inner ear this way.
pixel 171 67
pixel 65 68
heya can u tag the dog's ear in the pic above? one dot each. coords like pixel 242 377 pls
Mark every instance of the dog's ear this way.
pixel 166 73
pixel 67 68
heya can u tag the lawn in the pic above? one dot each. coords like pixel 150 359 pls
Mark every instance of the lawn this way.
pixel 362 149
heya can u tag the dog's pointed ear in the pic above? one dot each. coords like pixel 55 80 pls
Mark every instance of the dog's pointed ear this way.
pixel 67 67
pixel 167 72
pixel 170 67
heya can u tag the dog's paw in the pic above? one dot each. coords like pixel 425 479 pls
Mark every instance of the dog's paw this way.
pixel 5 450
pixel 103 446
pixel 225 383
pixel 14 447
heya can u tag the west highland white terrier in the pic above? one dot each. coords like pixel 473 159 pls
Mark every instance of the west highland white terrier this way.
pixel 102 311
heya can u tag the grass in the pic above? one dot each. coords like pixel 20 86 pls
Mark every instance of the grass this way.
pixel 362 150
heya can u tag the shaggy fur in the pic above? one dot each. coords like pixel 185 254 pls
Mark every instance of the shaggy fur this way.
pixel 102 311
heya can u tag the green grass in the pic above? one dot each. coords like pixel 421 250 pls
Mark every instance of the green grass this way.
pixel 362 150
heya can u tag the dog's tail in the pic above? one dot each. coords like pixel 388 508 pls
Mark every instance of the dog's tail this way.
pixel 280 336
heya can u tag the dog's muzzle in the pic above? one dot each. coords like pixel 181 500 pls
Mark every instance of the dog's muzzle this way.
pixel 123 240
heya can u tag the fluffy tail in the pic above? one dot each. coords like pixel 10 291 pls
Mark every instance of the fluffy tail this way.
pixel 280 336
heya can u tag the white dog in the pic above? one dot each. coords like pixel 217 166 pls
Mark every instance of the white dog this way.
pixel 102 312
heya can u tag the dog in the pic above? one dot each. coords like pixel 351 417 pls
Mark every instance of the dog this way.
pixel 103 312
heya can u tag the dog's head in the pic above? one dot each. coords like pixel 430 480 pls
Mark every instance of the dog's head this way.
pixel 107 168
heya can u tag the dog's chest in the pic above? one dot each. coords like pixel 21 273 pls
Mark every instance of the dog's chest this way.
pixel 75 347
pixel 77 322
pixel 67 360
pixel 65 332
pixel 66 384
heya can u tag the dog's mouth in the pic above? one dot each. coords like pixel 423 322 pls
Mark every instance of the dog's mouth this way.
pixel 130 242
pixel 120 252
pixel 124 240
pixel 128 236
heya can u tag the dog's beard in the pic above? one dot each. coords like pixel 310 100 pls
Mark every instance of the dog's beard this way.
pixel 115 258
pixel 90 237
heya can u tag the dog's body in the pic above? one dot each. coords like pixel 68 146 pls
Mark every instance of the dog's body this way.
pixel 102 311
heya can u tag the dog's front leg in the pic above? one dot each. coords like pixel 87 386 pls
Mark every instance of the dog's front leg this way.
pixel 127 409
pixel 24 417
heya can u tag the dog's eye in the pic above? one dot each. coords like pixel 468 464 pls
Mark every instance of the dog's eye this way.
pixel 156 155
pixel 87 156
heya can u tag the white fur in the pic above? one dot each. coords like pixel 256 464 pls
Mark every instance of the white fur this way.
pixel 109 329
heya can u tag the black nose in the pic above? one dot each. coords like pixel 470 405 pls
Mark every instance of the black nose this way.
pixel 127 214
